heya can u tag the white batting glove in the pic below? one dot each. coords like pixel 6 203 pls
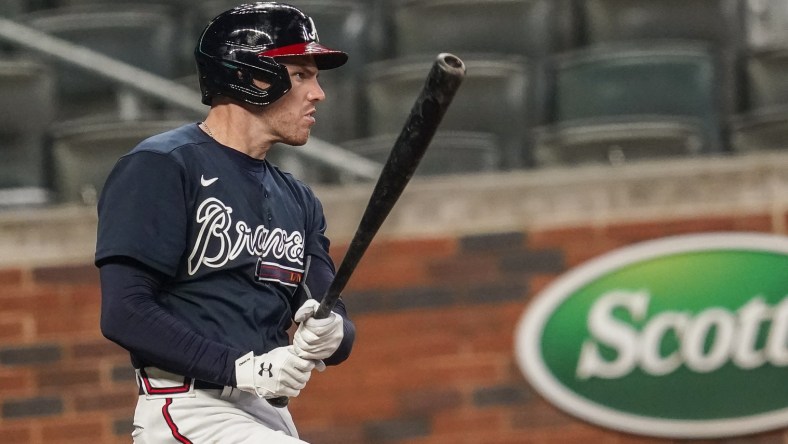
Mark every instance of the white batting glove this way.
pixel 276 373
pixel 316 339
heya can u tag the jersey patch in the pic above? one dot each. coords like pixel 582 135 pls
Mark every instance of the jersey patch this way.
pixel 273 272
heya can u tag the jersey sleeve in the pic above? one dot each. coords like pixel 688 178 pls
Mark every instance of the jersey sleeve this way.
pixel 132 318
pixel 142 212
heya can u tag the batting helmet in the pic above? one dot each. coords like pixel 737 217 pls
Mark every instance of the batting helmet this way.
pixel 242 44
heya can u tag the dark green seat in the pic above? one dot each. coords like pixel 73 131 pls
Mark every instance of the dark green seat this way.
pixel 615 143
pixel 718 22
pixel 616 98
pixel 763 124
pixel 27 104
pixel 528 28
pixel 497 96
pixel 142 35
pixel 83 154
pixel 767 77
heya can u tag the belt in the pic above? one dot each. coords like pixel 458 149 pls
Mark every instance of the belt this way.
pixel 173 384
pixel 198 385
pixel 205 385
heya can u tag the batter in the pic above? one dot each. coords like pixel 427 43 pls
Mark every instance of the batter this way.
pixel 208 252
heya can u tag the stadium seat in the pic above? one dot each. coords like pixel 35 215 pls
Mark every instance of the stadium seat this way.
pixel 616 142
pixel 449 152
pixel 27 104
pixel 761 130
pixel 718 22
pixel 639 87
pixel 83 155
pixel 633 79
pixel 497 96
pixel 15 8
pixel 12 8
pixel 527 28
pixel 767 77
pixel 142 35
pixel 763 123
pixel 766 24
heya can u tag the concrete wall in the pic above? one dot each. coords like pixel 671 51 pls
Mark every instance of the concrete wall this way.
pixel 435 301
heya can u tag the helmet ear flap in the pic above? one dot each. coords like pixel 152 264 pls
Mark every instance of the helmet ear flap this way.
pixel 235 80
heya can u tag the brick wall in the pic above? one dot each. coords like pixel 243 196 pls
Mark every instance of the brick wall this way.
pixel 434 360
pixel 435 311
pixel 60 380
pixel 433 363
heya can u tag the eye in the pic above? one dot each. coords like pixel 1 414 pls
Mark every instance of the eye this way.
pixel 304 74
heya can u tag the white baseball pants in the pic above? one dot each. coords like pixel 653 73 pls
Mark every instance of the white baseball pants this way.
pixel 171 410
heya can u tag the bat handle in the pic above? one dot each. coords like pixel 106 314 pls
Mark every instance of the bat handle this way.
pixel 326 306
pixel 279 402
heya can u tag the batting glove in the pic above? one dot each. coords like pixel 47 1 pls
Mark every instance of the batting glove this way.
pixel 276 373
pixel 317 339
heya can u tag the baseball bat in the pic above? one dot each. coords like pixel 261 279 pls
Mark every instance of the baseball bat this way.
pixel 443 80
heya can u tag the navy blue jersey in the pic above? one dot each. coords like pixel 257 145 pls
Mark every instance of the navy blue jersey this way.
pixel 230 232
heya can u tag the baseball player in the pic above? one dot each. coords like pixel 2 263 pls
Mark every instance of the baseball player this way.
pixel 207 252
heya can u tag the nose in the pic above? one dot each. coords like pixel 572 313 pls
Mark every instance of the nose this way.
pixel 316 93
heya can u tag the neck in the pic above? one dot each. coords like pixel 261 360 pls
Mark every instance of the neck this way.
pixel 238 128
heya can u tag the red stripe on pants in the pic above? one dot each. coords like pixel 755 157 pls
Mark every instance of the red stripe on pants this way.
pixel 173 428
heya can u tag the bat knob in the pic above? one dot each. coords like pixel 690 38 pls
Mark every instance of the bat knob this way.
pixel 452 63
pixel 279 402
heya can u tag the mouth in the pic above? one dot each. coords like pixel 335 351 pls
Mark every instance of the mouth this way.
pixel 310 116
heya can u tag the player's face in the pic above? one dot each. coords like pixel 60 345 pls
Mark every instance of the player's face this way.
pixel 290 118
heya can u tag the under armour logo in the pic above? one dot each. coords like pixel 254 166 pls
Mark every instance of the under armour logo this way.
pixel 263 369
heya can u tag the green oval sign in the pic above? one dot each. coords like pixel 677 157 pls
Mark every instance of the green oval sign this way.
pixel 680 337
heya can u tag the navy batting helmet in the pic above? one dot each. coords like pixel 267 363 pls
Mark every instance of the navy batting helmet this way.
pixel 242 44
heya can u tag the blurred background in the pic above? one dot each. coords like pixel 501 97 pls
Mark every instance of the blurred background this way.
pixel 550 83
pixel 582 126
